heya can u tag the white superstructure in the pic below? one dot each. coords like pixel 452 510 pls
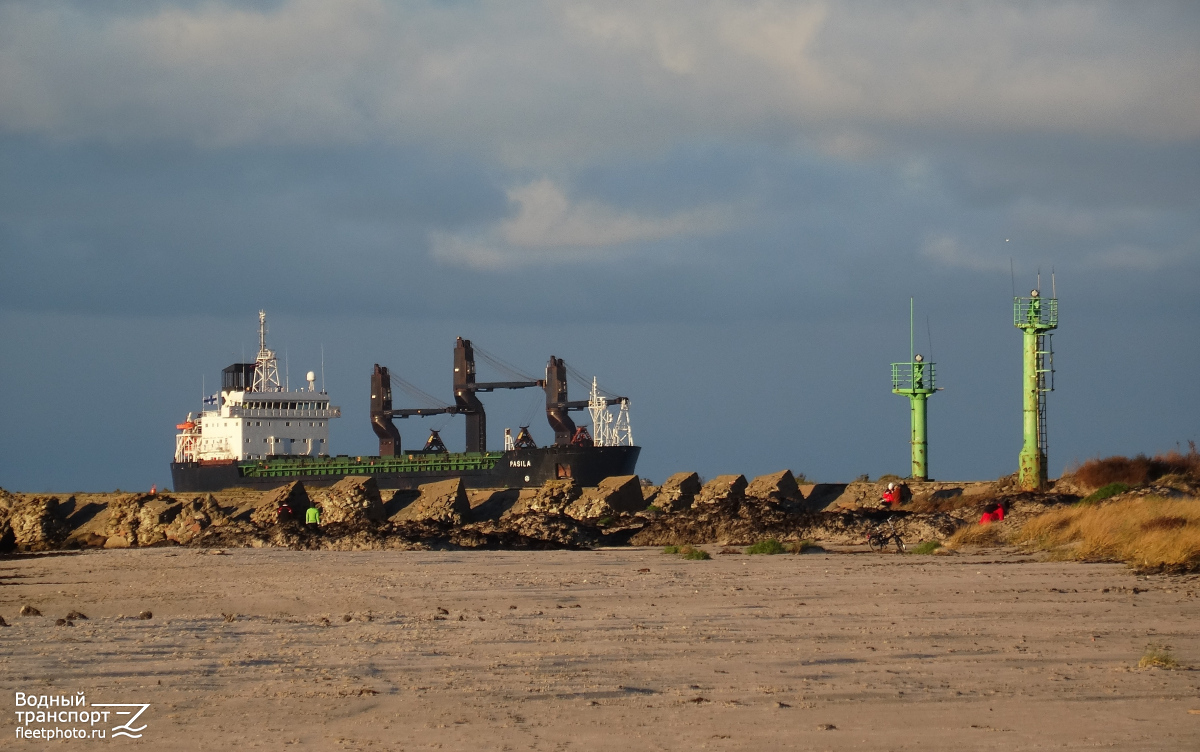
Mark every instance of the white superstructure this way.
pixel 256 416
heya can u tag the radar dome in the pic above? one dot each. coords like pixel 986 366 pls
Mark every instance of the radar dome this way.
pixel 311 376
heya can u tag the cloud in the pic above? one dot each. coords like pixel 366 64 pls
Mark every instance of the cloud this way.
pixel 531 82
pixel 945 249
pixel 1083 222
pixel 548 226
pixel 1140 258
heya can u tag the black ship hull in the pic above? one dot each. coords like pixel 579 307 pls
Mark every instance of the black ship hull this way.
pixel 520 468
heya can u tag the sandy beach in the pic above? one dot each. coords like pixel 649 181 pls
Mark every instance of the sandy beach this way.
pixel 610 649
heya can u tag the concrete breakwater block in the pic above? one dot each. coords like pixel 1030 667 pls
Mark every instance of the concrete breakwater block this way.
pixel 723 488
pixel 678 492
pixel 620 494
pixel 352 499
pixel 444 501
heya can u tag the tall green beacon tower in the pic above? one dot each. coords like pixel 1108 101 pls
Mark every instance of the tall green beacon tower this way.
pixel 914 380
pixel 1036 317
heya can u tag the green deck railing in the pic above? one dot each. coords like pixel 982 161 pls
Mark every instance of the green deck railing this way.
pixel 345 465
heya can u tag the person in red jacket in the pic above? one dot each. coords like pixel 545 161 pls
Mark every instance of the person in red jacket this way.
pixel 891 497
pixel 992 513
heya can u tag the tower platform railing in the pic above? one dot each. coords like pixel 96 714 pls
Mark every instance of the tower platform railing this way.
pixel 1037 313
pixel 913 378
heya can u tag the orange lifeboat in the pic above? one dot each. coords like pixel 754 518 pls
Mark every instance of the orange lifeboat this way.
pixel 185 426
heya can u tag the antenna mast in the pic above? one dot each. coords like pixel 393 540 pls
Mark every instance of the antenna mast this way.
pixel 266 367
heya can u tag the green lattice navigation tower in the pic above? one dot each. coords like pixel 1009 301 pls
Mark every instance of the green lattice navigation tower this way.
pixel 914 380
pixel 1036 317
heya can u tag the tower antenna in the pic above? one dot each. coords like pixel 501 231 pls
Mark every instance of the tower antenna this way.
pixel 1013 272
pixel 322 368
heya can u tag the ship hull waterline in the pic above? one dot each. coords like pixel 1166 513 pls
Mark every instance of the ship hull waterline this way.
pixel 519 468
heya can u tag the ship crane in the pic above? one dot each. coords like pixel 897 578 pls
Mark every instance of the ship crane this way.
pixel 467 403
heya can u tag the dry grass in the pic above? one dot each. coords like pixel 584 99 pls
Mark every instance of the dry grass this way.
pixel 1157 656
pixel 804 546
pixel 1145 532
pixel 688 552
pixel 1138 470
pixel 977 535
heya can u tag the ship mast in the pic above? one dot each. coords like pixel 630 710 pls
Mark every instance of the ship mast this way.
pixel 266 368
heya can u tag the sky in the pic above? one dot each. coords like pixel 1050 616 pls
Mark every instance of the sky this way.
pixel 719 209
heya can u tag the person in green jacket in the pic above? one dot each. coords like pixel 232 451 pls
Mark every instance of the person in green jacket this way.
pixel 312 516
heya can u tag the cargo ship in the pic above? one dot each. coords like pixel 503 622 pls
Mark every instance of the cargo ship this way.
pixel 259 433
